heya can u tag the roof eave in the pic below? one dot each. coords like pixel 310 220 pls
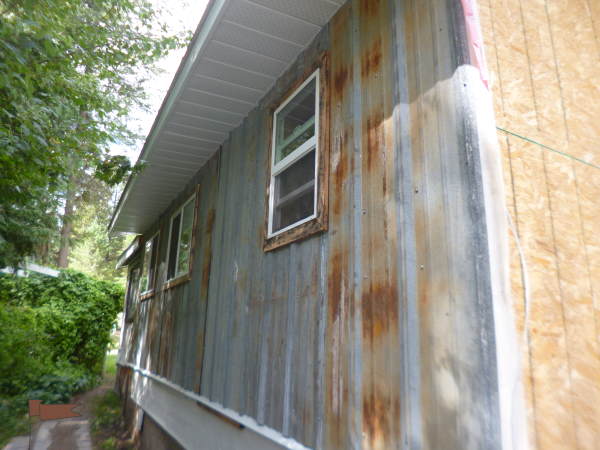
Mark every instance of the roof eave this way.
pixel 211 16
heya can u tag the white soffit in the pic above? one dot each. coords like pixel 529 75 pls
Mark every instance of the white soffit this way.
pixel 240 49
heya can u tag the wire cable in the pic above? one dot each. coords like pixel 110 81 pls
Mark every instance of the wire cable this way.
pixel 525 138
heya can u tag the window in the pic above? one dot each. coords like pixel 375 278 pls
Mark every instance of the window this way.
pixel 133 283
pixel 149 267
pixel 180 241
pixel 295 159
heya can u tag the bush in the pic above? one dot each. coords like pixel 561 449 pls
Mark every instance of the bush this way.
pixel 71 314
pixel 53 338
pixel 54 333
pixel 24 353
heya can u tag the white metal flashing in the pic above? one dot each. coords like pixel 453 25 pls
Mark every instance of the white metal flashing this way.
pixel 197 422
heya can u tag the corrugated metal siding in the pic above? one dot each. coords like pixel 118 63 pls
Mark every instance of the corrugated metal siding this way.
pixel 263 340
pixel 375 334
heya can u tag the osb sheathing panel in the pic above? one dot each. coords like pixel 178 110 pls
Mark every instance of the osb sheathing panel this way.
pixel 544 58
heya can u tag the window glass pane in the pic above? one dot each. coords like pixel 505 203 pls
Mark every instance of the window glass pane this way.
pixel 185 243
pixel 146 267
pixel 153 259
pixel 132 292
pixel 295 123
pixel 173 245
pixel 294 192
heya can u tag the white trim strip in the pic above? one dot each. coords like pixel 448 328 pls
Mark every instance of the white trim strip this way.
pixel 243 420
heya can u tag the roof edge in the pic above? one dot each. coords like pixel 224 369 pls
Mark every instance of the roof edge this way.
pixel 128 253
pixel 213 12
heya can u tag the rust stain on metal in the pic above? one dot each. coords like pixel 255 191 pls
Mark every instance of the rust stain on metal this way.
pixel 371 59
pixel 376 408
pixel 339 80
pixel 373 134
pixel 380 315
pixel 340 172
pixel 335 285
pixel 210 221
pixel 369 8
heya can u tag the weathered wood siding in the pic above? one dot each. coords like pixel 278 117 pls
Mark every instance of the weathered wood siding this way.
pixel 544 58
pixel 377 333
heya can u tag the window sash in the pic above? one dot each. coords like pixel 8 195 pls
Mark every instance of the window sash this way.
pixel 311 144
pixel 149 265
pixel 182 267
pixel 132 292
pixel 173 271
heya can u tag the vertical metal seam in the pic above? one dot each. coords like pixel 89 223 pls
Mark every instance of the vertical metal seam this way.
pixel 357 233
pixel 448 223
pixel 409 320
pixel 291 300
pixel 212 242
pixel 321 354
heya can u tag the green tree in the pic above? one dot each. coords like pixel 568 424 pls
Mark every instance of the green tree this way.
pixel 94 252
pixel 67 81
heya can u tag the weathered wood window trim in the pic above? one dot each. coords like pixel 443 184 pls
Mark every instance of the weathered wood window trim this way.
pixel 178 278
pixel 318 221
pixel 149 266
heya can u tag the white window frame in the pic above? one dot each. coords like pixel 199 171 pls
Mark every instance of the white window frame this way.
pixel 179 210
pixel 304 149
pixel 154 240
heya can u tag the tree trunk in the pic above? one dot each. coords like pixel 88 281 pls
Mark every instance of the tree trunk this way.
pixel 66 229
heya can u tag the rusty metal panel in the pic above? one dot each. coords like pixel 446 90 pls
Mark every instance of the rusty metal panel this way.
pixel 457 355
pixel 360 337
pixel 342 402
pixel 245 257
pixel 262 336
pixel 379 287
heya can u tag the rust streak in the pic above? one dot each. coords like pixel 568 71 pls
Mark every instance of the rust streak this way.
pixel 340 79
pixel 371 59
pixel 369 8
pixel 210 221
pixel 340 174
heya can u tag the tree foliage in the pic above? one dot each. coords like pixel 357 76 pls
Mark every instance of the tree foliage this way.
pixel 94 252
pixel 67 81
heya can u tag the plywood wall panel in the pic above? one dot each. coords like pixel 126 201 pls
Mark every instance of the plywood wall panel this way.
pixel 514 73
pixel 545 79
pixel 554 203
pixel 583 352
pixel 549 354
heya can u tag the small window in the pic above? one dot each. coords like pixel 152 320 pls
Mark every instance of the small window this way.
pixel 133 284
pixel 180 241
pixel 295 158
pixel 149 268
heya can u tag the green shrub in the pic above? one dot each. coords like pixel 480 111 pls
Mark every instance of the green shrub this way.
pixel 24 352
pixel 14 420
pixel 53 338
pixel 73 315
